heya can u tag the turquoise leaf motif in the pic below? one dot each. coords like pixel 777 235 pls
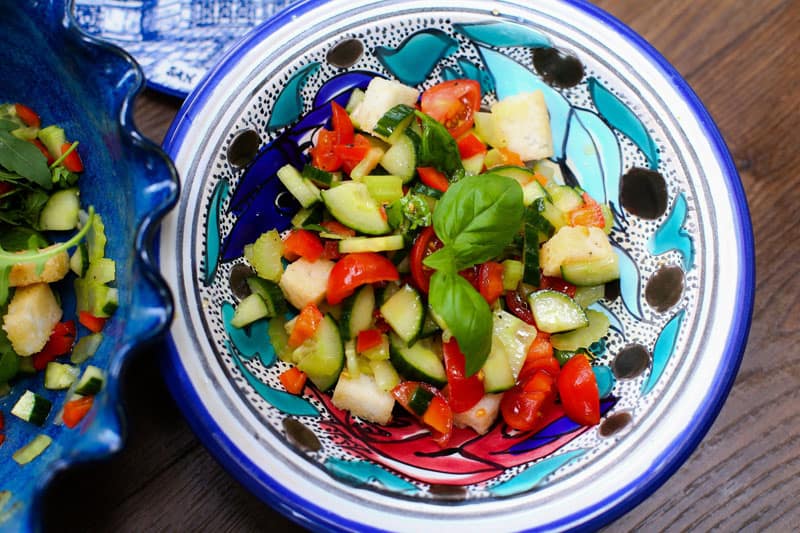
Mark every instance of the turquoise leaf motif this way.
pixel 663 350
pixel 511 77
pixel 502 34
pixel 672 236
pixel 622 118
pixel 364 472
pixel 533 476
pixel 605 380
pixel 629 282
pixel 212 231
pixel 289 104
pixel 251 341
pixel 417 56
pixel 280 400
pixel 594 156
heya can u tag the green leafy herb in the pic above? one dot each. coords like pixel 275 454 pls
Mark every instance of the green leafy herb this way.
pixel 438 148
pixel 21 238
pixel 8 125
pixel 63 178
pixel 25 159
pixel 476 219
pixel 409 213
pixel 466 313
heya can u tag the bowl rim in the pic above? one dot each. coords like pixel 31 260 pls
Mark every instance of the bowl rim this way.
pixel 105 436
pixel 615 504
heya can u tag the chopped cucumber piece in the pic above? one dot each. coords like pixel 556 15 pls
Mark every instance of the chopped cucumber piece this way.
pixel 249 310
pixel 531 188
pixel 32 450
pixel 59 376
pixel 371 244
pixel 32 408
pixel 270 293
pixel 585 336
pixel 512 274
pixel 85 348
pixel 565 197
pixel 401 158
pixel 320 177
pixel 322 358
pixel 591 271
pixel 405 313
pixel 555 312
pixel 96 239
pixel 91 381
pixel 351 204
pixel 301 188
pixel 586 296
pixel 368 164
pixel 384 189
pixel 60 213
pixel 394 122
pixel 53 138
pixel 386 377
pixel 79 262
pixel 356 97
pixel 101 270
pixel 279 338
pixel 357 311
pixel 417 362
pixel 265 255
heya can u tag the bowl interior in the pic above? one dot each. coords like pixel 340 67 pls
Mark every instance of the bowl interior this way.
pixel 625 128
pixel 85 87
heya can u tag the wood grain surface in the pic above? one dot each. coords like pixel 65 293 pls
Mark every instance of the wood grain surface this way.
pixel 741 57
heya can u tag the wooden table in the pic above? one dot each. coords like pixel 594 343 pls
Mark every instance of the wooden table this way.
pixel 741 56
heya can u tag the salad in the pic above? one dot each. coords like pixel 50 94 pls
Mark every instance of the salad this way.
pixel 41 220
pixel 439 262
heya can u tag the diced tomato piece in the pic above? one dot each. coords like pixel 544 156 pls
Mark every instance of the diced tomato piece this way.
pixel 92 323
pixel 2 421
pixel 462 392
pixel 368 339
pixel 469 145
pixel 380 322
pixel 331 250
pixel 433 178
pixel 293 380
pixel 60 343
pixel 490 281
pixel 453 103
pixel 558 284
pixel 589 214
pixel 73 161
pixel 525 405
pixel 425 244
pixel 75 410
pixel 352 154
pixel 302 243
pixel 519 306
pixel 333 226
pixel 354 270
pixel 471 274
pixel 577 388
pixel 305 326
pixel 5 187
pixel 322 154
pixel 342 125
pixel 436 414
pixel 540 357
pixel 28 115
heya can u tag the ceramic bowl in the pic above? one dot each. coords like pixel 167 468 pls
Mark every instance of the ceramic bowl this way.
pixel 87 88
pixel 626 128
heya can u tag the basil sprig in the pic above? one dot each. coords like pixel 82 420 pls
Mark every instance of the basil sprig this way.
pixel 476 219
pixel 438 149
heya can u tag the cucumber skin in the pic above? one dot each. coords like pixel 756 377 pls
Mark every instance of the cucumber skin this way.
pixel 407 370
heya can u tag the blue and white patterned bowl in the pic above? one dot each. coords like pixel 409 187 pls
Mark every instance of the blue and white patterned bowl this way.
pixel 626 128
pixel 86 87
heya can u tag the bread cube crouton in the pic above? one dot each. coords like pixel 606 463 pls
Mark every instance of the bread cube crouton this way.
pixel 521 123
pixel 481 416
pixel 54 269
pixel 32 314
pixel 381 95
pixel 305 282
pixel 363 398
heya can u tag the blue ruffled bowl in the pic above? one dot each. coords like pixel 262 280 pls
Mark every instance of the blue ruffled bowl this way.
pixel 87 88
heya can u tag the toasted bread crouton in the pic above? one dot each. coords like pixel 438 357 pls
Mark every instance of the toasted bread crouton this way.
pixel 55 268
pixel 32 314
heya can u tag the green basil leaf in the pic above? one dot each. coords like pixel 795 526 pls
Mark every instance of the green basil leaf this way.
pixel 25 159
pixel 479 216
pixel 8 125
pixel 441 259
pixel 467 315
pixel 438 148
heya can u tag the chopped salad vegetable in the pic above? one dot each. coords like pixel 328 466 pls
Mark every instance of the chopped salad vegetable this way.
pixel 446 266
pixel 41 221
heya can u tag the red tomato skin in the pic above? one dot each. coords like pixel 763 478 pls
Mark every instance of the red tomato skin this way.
pixel 558 284
pixel 469 145
pixel 433 178
pixel 524 406
pixel 303 243
pixel 322 154
pixel 354 270
pixel 463 392
pixel 490 281
pixel 425 244
pixel 342 125
pixel 453 103
pixel 577 388
pixel 28 115
pixel 519 307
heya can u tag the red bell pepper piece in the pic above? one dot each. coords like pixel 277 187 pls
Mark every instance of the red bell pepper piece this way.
pixel 28 115
pixel 469 145
pixel 93 323
pixel 354 270
pixel 305 326
pixel 72 161
pixel 302 243
pixel 433 178
pixel 293 380
pixel 342 125
pixel 60 342
pixel 75 410
pixel 322 154
pixel 589 214
pixel 368 339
